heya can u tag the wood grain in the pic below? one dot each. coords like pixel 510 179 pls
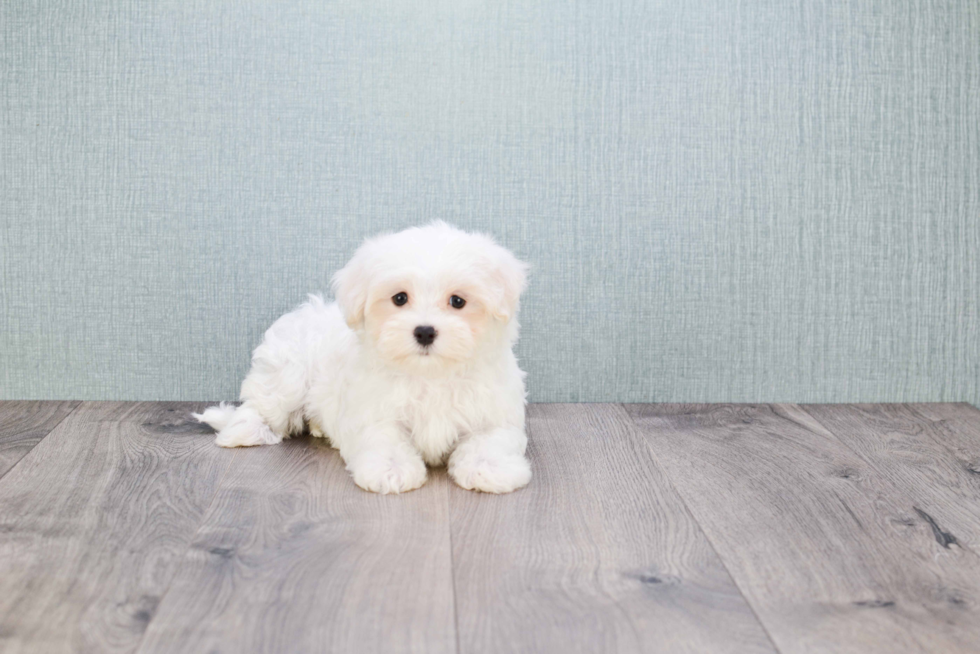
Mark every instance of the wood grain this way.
pixel 913 452
pixel 23 424
pixel 293 557
pixel 597 554
pixel 831 555
pixel 655 528
pixel 957 427
pixel 93 522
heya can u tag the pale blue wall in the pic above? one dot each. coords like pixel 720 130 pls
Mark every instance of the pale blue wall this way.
pixel 721 200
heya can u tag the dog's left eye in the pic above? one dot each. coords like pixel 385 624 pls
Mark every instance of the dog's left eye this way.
pixel 457 302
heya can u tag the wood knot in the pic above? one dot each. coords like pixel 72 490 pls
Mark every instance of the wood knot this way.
pixel 654 578
pixel 223 552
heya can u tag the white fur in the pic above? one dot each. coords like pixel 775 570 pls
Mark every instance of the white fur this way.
pixel 351 371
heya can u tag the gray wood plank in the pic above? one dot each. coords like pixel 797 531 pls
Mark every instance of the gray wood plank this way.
pixel 24 423
pixel 597 554
pixel 93 522
pixel 911 451
pixel 832 557
pixel 293 557
pixel 957 427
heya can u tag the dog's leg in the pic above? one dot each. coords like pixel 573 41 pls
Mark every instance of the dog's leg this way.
pixel 383 461
pixel 493 462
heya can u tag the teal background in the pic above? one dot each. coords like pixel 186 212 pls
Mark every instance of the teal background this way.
pixel 746 201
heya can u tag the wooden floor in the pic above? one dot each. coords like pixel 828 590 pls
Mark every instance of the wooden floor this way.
pixel 646 528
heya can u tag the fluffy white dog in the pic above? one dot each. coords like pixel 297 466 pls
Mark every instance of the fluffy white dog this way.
pixel 412 365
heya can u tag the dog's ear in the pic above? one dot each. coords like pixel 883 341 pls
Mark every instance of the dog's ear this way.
pixel 350 289
pixel 509 279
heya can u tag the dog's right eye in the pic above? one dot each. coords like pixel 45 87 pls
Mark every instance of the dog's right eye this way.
pixel 399 298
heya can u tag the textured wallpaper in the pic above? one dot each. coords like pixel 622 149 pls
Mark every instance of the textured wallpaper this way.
pixel 747 201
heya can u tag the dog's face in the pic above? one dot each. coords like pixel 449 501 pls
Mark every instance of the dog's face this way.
pixel 427 299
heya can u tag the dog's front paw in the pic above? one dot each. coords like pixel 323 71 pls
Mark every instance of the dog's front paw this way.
pixel 388 472
pixel 479 470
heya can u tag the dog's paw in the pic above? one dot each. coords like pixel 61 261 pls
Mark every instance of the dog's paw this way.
pixel 388 472
pixel 491 473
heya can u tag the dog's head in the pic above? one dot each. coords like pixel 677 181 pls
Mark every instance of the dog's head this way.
pixel 429 298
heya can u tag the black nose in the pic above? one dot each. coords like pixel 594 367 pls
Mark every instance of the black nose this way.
pixel 425 334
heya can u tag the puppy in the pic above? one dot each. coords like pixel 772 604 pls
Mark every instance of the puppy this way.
pixel 412 365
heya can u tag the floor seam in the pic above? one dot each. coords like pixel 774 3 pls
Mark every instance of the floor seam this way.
pixel 187 549
pixel 901 492
pixel 452 561
pixel 711 544
pixel 40 440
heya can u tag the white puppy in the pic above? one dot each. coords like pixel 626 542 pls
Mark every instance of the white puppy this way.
pixel 411 365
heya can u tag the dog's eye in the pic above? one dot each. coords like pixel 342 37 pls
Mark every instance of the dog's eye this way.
pixel 457 302
pixel 399 298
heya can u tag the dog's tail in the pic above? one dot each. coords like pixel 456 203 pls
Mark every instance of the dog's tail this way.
pixel 217 416
pixel 238 426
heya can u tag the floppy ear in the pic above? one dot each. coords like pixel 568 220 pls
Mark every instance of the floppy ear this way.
pixel 509 279
pixel 350 288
